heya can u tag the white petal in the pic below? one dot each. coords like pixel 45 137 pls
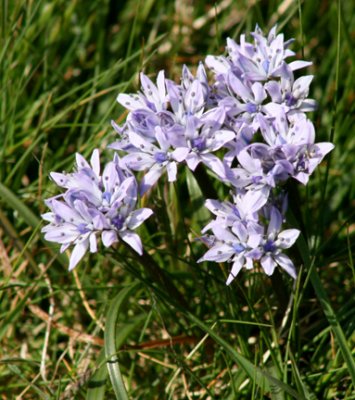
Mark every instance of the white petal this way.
pixel 215 164
pixel 219 253
pixel 133 240
pixel 259 92
pixel 287 238
pixel 150 178
pixel 171 169
pixel 268 265
pixel 275 223
pixel 180 153
pixel 299 64
pixel 138 161
pixel 109 237
pixel 137 217
pixel 78 253
pixel 131 102
pixel 192 161
pixel 95 162
pixel 285 263
pixel 81 162
pixel 93 243
pixel 237 266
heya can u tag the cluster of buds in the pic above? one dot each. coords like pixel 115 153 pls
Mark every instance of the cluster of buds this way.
pixel 248 127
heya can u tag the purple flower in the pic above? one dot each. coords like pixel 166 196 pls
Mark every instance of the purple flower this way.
pixel 152 97
pixel 243 209
pixel 236 244
pixel 148 156
pixel 94 205
pixel 292 93
pixel 200 138
pixel 273 244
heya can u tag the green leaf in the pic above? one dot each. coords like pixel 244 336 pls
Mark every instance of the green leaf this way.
pixel 31 219
pixel 327 308
pixel 111 348
pixel 262 378
pixel 97 383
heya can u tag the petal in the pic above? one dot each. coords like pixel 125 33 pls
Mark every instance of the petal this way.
pixel 192 160
pixel 110 177
pixel 133 240
pixel 294 65
pixel 81 162
pixel 219 253
pixel 214 164
pixel 218 64
pixel 259 92
pixel 60 179
pixel 161 84
pixel 171 169
pixel 180 153
pixel 237 266
pixel 174 96
pixel 268 265
pixel 275 222
pixel 78 253
pixel 137 217
pixel 65 212
pixel 239 88
pixel 109 237
pixel 287 238
pixel 301 86
pixel 220 138
pixel 93 243
pixel 194 99
pixel 150 91
pixel 240 231
pixel 150 178
pixel 66 233
pixel 273 88
pixel 286 264
pixel 95 162
pixel 99 222
pixel 162 139
pixel 138 161
pixel 131 102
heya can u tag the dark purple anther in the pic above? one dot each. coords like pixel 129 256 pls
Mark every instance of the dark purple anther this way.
pixel 160 157
pixel 118 221
pixel 83 229
pixel 251 108
pixel 290 100
pixel 238 248
pixel 198 144
pixel 269 246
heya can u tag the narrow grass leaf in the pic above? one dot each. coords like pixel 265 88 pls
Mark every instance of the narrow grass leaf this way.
pixel 262 378
pixel 327 308
pixel 110 342
pixel 97 384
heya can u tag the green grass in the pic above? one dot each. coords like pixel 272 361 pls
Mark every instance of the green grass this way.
pixel 113 328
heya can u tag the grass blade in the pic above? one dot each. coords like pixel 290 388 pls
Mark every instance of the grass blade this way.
pixel 263 379
pixel 110 342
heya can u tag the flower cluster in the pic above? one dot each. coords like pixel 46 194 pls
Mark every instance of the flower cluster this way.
pixel 248 127
pixel 94 204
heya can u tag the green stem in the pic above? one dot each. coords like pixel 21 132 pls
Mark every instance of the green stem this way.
pixel 158 275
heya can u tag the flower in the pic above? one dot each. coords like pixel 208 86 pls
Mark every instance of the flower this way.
pixel 236 244
pixel 273 244
pixel 94 205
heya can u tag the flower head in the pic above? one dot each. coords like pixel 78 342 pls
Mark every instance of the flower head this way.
pixel 94 205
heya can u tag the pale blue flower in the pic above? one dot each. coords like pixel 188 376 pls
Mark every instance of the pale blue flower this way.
pixel 94 205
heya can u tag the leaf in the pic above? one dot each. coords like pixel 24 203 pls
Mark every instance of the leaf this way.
pixel 262 378
pixel 111 348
